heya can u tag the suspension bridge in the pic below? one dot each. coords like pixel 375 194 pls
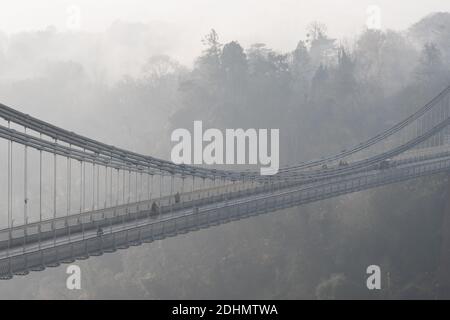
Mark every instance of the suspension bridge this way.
pixel 68 197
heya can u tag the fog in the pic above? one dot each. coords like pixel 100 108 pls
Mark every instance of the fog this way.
pixel 132 71
pixel 179 25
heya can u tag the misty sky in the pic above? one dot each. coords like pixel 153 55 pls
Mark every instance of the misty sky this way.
pixel 279 24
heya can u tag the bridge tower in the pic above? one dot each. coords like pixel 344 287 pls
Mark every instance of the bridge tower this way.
pixel 443 272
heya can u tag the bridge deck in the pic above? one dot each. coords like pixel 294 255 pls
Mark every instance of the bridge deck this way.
pixel 140 228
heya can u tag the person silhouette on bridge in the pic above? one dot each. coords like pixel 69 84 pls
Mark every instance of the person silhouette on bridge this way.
pixel 155 209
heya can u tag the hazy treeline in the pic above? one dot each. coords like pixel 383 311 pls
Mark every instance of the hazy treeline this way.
pixel 324 95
